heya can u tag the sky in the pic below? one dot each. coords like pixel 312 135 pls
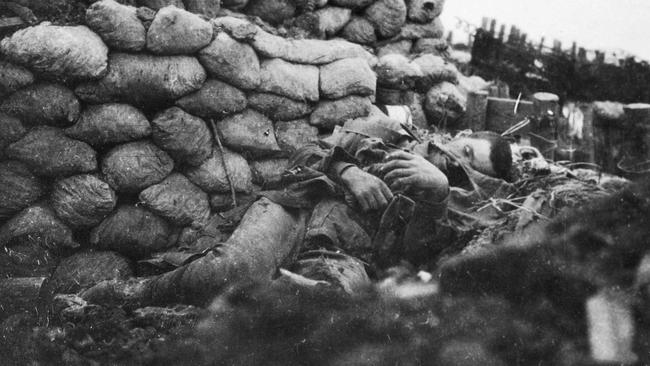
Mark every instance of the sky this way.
pixel 593 24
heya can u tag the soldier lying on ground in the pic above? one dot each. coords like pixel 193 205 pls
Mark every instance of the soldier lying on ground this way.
pixel 365 194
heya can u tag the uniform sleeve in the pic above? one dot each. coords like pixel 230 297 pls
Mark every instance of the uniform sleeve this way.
pixel 329 160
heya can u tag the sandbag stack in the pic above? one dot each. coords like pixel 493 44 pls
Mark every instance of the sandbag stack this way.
pixel 122 136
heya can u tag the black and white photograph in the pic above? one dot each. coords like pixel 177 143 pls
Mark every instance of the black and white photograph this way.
pixel 324 183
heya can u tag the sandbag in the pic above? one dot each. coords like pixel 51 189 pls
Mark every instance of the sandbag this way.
pixel 82 201
pixel 278 108
pixel 397 72
pixel 609 110
pixel 134 232
pixel 292 135
pixel 353 4
pixel 401 47
pixel 424 11
pixel 360 30
pixel 234 4
pixel 231 61
pixel 347 77
pixel 87 268
pixel 267 173
pixel 207 8
pixel 178 200
pixel 105 124
pixel 48 152
pixel 248 132
pixel 185 137
pixel 11 130
pixel 13 77
pixel 299 82
pixel 444 103
pixel 389 96
pixel 272 11
pixel 302 51
pixel 59 51
pixel 40 224
pixel 415 31
pixel 335 112
pixel 388 16
pixel 434 71
pixel 135 166
pixel 221 202
pixel 175 31
pixel 332 19
pixel 467 84
pixel 159 4
pixel 215 99
pixel 117 24
pixel 43 103
pixel 435 46
pixel 211 175
pixel 144 79
pixel 19 188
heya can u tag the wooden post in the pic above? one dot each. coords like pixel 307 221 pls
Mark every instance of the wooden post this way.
pixel 493 27
pixel 502 32
pixel 557 46
pixel 501 113
pixel 608 137
pixel 544 128
pixel 476 113
pixel 636 143
pixel 582 55
pixel 19 294
pixel 513 34
pixel 484 23
pixel 540 49
pixel 574 48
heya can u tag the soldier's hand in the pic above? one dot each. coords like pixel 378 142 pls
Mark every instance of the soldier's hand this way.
pixel 405 170
pixel 370 192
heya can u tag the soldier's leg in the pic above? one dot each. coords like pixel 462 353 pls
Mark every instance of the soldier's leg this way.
pixel 267 235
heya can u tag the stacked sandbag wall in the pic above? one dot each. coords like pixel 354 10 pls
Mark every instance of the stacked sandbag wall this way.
pixel 387 28
pixel 125 137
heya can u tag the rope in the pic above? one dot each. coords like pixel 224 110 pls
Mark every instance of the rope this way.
pixel 233 195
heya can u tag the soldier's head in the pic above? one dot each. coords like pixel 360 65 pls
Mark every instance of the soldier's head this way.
pixel 485 151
